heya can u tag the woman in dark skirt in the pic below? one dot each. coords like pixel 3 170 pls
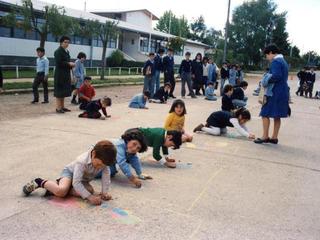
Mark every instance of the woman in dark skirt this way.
pixel 197 73
pixel 277 97
pixel 62 75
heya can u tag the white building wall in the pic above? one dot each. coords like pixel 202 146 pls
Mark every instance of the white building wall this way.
pixel 27 48
pixel 139 19
pixel 131 46
pixel 193 49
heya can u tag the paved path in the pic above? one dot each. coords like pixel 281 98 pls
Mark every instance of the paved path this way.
pixel 234 189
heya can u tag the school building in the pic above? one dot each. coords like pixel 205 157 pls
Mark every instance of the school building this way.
pixel 137 37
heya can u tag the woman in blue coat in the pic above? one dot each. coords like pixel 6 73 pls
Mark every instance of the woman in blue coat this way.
pixel 277 95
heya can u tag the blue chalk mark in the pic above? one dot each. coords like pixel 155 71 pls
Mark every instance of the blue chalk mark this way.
pixel 120 211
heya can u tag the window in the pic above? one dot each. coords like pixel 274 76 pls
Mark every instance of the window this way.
pixel 179 53
pixel 76 40
pixel 112 43
pixel 51 38
pixel 144 42
pixel 30 35
pixel 85 41
pixel 5 32
pixel 18 33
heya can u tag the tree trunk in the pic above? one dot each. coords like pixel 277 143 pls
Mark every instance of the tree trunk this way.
pixel 103 59
pixel 43 38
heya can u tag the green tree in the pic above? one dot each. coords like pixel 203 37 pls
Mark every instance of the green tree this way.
pixel 52 20
pixel 105 32
pixel 254 25
pixel 169 23
pixel 311 58
pixel 198 29
pixel 176 44
pixel 212 37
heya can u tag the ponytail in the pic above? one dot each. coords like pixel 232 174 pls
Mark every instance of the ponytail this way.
pixel 243 112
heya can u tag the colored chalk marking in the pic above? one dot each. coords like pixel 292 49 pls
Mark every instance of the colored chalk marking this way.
pixel 184 165
pixel 191 145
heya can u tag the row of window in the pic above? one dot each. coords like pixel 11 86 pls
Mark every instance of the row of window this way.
pixel 155 45
pixel 33 35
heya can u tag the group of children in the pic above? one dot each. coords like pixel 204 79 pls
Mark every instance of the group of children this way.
pixel 306 80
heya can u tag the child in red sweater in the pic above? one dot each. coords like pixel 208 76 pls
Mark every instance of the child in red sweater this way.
pixel 86 93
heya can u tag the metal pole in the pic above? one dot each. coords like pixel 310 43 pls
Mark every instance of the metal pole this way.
pixel 170 22
pixel 226 34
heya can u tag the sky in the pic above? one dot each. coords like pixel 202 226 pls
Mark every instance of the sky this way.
pixel 303 16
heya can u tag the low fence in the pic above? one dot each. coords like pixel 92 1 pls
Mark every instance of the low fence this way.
pixel 15 72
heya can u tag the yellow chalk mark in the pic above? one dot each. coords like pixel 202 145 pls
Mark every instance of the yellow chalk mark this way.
pixel 204 189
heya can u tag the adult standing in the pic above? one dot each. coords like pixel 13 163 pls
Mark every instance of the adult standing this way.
pixel 224 72
pixel 197 73
pixel 276 105
pixel 158 65
pixel 41 76
pixel 168 69
pixel 62 74
pixel 78 74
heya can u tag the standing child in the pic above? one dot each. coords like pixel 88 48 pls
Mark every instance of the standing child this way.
pixel 78 73
pixel 140 100
pixel 197 73
pixel 185 74
pixel 93 107
pixel 176 118
pixel 160 138
pixel 168 70
pixel 238 97
pixel 218 122
pixel 148 73
pixel 302 74
pixel 310 79
pixel 233 75
pixel 76 176
pixel 210 92
pixel 227 104
pixel 86 93
pixel 206 66
pixel 212 72
pixel 162 94
pixel 158 65
pixel 41 77
pixel 240 75
pixel 224 72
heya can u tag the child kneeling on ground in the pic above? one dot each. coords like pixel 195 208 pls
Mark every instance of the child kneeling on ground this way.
pixel 93 107
pixel 160 138
pixel 176 118
pixel 140 100
pixel 161 96
pixel 86 93
pixel 128 146
pixel 218 122
pixel 210 92
pixel 76 176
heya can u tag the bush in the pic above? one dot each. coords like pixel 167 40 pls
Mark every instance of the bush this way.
pixel 115 60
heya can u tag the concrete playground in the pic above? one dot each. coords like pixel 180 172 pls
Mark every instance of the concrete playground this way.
pixel 223 187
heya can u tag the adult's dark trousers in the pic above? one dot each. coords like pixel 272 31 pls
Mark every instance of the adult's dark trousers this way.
pixel 169 77
pixel 40 79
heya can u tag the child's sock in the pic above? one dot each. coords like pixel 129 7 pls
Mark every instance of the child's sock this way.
pixel 40 182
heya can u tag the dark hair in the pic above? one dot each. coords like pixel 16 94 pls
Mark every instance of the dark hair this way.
pixel 176 138
pixel 198 54
pixel 63 38
pixel 87 78
pixel 243 84
pixel 267 69
pixel 151 54
pixel 167 84
pixel 272 48
pixel 205 59
pixel 81 55
pixel 107 101
pixel 227 88
pixel 187 54
pixel 135 134
pixel 176 103
pixel 106 152
pixel 170 50
pixel 210 83
pixel 147 94
pixel 243 112
pixel 41 49
pixel 161 50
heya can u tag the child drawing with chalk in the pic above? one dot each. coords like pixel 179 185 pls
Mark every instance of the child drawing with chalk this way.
pixel 176 118
pixel 218 122
pixel 93 108
pixel 128 146
pixel 159 138
pixel 76 176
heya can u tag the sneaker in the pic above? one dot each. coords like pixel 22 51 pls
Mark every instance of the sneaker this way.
pixel 66 110
pixel 102 118
pixel 59 111
pixel 198 128
pixel 29 187
pixel 34 101
pixel 170 164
